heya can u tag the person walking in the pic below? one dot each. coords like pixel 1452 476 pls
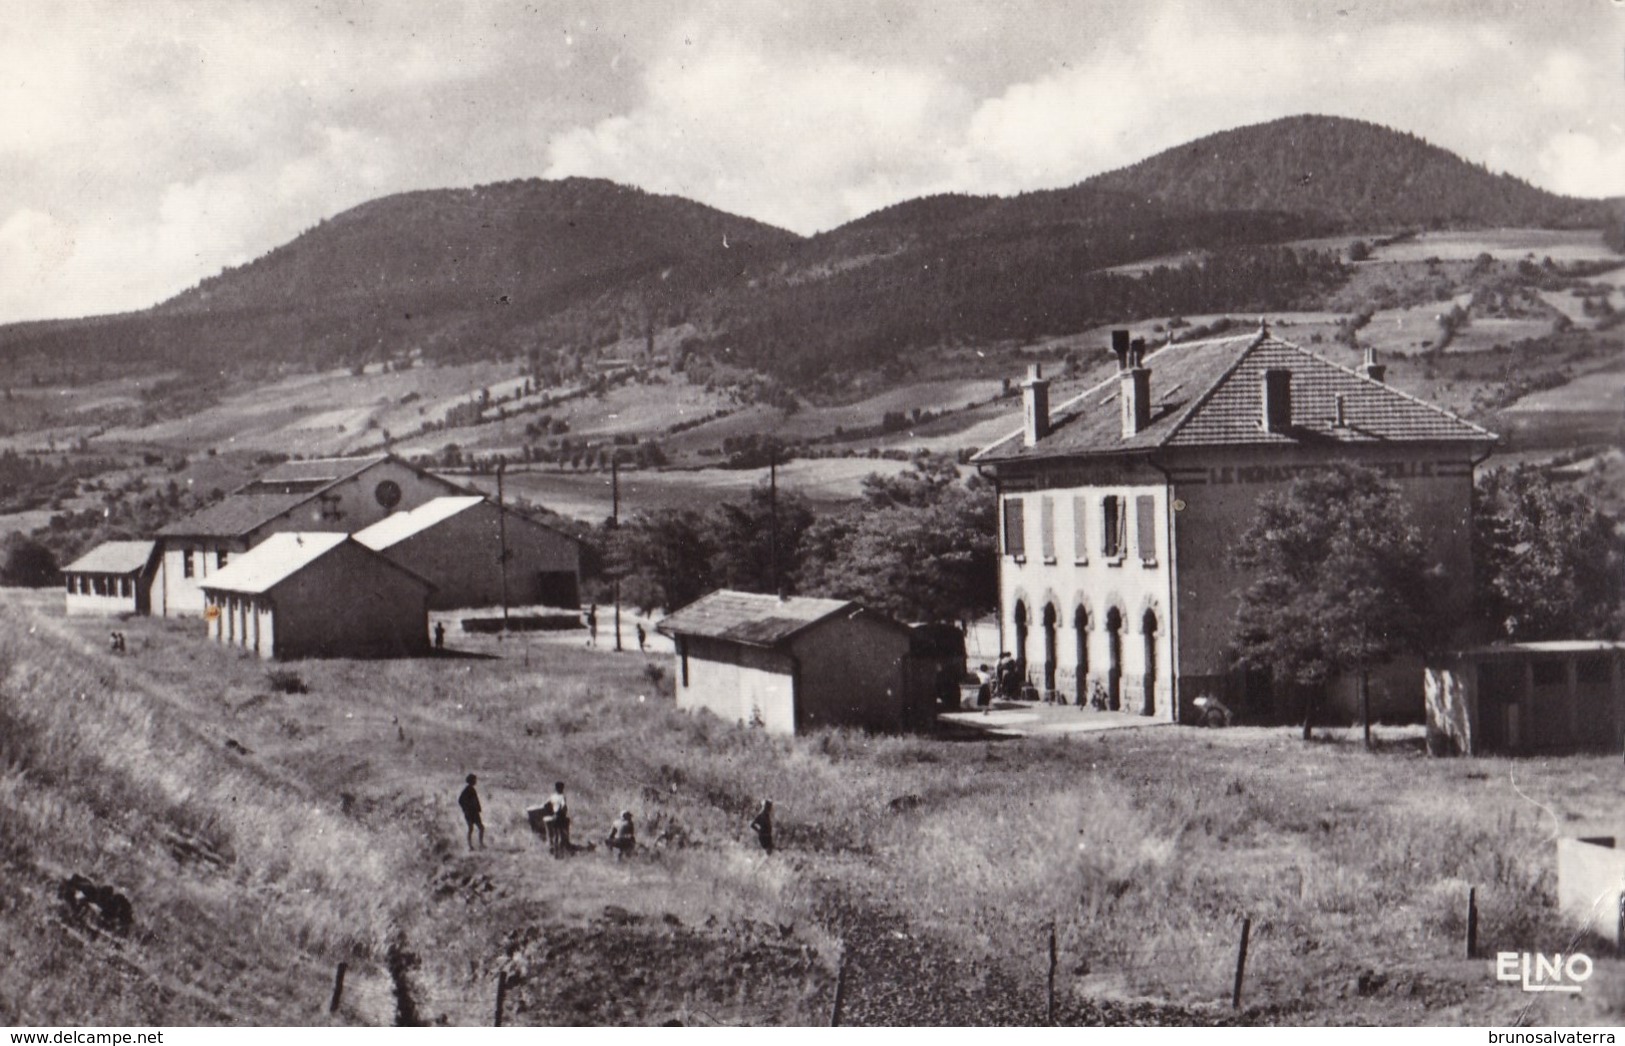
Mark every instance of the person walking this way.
pixel 622 837
pixel 469 800
pixel 762 825
pixel 643 639
pixel 440 635
pixel 592 625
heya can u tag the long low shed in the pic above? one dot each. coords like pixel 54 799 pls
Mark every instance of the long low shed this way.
pixel 318 595
pixel 1528 697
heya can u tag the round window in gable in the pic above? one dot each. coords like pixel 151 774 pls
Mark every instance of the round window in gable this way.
pixel 388 493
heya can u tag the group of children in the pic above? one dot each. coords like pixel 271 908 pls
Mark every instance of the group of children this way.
pixel 554 819
pixel 1003 680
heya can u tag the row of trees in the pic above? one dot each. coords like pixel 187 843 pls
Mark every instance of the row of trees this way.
pixel 919 545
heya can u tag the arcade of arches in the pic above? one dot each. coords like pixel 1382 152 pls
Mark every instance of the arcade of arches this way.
pixel 1116 666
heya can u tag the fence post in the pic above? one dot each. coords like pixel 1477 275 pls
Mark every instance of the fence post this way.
pixel 1049 1008
pixel 502 992
pixel 338 988
pixel 1472 922
pixel 840 991
pixel 1241 962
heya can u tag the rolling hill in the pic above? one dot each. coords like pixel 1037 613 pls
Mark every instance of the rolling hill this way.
pixel 1346 171
pixel 564 272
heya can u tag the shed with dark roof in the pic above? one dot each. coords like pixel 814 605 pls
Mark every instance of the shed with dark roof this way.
pixel 793 663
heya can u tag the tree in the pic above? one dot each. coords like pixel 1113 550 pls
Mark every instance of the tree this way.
pixel 1359 251
pixel 756 546
pixel 662 559
pixel 1549 564
pixel 921 546
pixel 1339 583
pixel 28 563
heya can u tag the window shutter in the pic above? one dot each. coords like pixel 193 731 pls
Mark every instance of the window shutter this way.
pixel 1109 532
pixel 1145 512
pixel 1015 528
pixel 1080 530
pixel 1046 527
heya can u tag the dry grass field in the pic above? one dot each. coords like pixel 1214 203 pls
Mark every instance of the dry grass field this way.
pixel 263 836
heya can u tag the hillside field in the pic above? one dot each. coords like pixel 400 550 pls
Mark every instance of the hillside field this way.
pixel 264 834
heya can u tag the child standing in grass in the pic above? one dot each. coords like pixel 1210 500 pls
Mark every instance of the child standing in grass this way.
pixel 558 821
pixel 469 800
pixel 762 825
pixel 622 838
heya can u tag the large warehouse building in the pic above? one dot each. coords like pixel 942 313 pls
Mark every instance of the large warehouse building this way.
pixel 479 554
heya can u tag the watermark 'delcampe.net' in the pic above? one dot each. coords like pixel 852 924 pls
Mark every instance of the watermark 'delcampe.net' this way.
pixel 1537 972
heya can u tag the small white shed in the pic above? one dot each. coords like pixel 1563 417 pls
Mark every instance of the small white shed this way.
pixel 789 664
pixel 113 578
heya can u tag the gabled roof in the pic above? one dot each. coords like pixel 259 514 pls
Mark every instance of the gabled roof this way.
pixel 1207 394
pixel 752 618
pixel 234 515
pixel 113 557
pixel 272 561
pixel 280 490
pixel 399 526
pixel 293 477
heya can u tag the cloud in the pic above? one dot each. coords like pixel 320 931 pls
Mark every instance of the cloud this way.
pixel 803 141
pixel 1581 165
pixel 143 146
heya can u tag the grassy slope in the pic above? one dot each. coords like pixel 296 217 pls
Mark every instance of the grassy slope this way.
pixel 337 831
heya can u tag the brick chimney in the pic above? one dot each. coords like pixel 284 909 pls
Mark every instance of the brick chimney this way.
pixel 1135 392
pixel 1035 406
pixel 1371 368
pixel 1276 392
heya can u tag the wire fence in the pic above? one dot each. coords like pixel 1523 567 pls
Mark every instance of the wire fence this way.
pixel 1214 970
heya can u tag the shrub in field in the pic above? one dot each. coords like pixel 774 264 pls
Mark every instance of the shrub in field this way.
pixel 286 681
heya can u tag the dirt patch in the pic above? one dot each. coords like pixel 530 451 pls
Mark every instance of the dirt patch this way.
pixel 623 969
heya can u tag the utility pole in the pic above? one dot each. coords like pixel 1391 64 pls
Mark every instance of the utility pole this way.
pixel 615 524
pixel 773 513
pixel 502 540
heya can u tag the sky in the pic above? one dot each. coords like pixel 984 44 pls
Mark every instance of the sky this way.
pixel 147 144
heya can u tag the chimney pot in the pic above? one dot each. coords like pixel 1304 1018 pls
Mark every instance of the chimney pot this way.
pixel 1340 418
pixel 1120 346
pixel 1371 368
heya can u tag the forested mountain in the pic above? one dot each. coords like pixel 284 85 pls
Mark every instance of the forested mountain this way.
pixel 559 271
pixel 1347 171
pixel 494 244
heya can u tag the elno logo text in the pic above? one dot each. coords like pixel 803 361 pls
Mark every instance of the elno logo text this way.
pixel 1538 972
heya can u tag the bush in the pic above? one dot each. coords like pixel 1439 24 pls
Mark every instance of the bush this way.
pixel 286 681
pixel 28 563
